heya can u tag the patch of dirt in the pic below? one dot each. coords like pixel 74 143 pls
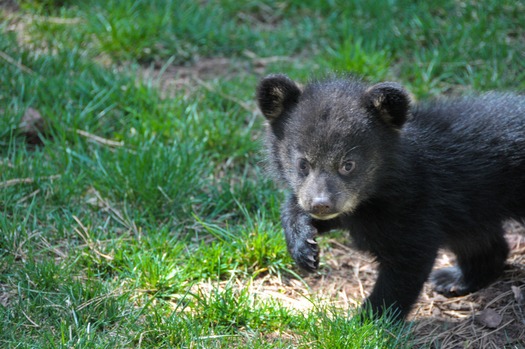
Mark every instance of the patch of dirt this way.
pixel 490 318
pixel 171 79
pixel 493 317
pixel 463 322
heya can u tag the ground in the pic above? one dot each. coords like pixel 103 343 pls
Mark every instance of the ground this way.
pixel 490 318
pixel 87 260
pixel 444 322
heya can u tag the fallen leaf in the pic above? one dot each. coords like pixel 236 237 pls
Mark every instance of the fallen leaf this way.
pixel 489 318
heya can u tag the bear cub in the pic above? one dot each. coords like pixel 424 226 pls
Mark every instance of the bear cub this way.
pixel 403 178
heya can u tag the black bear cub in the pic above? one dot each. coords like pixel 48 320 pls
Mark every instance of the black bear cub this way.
pixel 404 179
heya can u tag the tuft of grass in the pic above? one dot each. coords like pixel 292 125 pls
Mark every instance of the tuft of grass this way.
pixel 331 328
pixel 252 248
pixel 352 56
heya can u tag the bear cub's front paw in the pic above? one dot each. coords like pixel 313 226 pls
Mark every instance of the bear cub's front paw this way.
pixel 304 248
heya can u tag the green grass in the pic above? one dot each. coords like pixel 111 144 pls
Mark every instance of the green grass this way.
pixel 143 220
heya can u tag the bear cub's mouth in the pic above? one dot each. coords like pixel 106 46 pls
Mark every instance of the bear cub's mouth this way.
pixel 324 217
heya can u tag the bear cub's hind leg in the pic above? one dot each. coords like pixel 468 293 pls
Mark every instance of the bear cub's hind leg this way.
pixel 479 264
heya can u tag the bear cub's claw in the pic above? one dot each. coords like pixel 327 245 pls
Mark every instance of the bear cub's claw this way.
pixel 311 241
pixel 305 252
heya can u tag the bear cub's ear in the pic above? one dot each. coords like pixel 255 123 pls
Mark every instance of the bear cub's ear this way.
pixel 391 101
pixel 275 94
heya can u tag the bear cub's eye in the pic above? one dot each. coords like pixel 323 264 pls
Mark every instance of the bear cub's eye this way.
pixel 347 168
pixel 304 166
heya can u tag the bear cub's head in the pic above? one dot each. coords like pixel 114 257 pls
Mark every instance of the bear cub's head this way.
pixel 332 142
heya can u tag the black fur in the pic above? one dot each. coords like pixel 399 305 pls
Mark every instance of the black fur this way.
pixel 403 180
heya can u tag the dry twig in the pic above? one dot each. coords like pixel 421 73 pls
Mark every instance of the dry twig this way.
pixel 16 181
pixel 12 61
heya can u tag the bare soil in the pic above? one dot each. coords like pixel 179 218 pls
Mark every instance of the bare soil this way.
pixel 172 79
pixel 490 318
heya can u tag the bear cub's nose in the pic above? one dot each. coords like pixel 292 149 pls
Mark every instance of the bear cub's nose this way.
pixel 322 206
